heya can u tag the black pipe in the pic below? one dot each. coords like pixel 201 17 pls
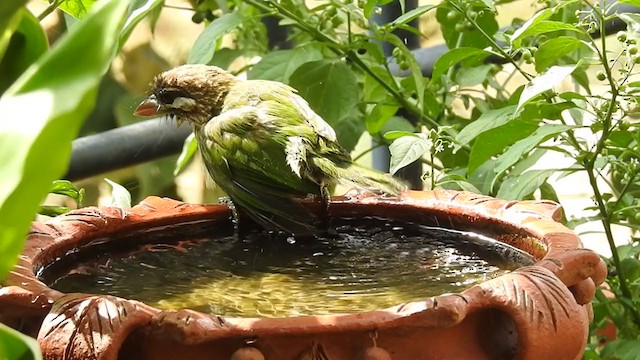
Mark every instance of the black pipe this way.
pixel 125 146
pixel 153 139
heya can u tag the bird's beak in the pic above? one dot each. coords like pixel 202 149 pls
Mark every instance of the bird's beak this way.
pixel 149 107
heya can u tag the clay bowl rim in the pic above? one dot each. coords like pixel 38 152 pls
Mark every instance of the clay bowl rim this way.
pixel 531 218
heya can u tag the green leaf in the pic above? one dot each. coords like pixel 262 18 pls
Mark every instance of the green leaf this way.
pixel 41 114
pixel 186 155
pixel 518 187
pixel 52 210
pixel 395 134
pixel 520 148
pixel 494 141
pixel 547 26
pixel 635 3
pixel 472 76
pixel 406 150
pixel 27 44
pixel 224 57
pixel 9 20
pixel 66 188
pixel 378 116
pixel 554 49
pixel 411 15
pixel 120 196
pixel 546 81
pixel 139 9
pixel 349 130
pixel 516 37
pixel 76 8
pixel 453 57
pixel 632 20
pixel 487 121
pixel 330 87
pixel 15 345
pixel 280 64
pixel 206 44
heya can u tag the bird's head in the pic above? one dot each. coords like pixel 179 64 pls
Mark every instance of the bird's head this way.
pixel 193 93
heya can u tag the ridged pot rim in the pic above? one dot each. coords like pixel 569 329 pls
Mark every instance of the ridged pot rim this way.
pixel 562 265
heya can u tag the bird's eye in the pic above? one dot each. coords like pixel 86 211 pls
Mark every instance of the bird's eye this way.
pixel 167 96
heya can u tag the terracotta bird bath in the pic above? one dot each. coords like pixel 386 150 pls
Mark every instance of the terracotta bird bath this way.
pixel 540 311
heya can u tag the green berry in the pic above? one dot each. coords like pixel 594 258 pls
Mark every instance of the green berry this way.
pixel 622 36
pixel 331 12
pixel 473 14
pixel 636 59
pixel 397 53
pixel 631 41
pixel 633 50
pixel 452 15
pixel 197 18
pixel 601 75
pixel 403 65
pixel 526 55
pixel 624 126
pixel 337 21
pixel 460 27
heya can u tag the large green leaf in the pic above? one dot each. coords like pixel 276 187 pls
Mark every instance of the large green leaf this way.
pixel 9 20
pixel 77 8
pixel 546 81
pixel 411 15
pixel 453 57
pixel 494 141
pixel 137 11
pixel 405 150
pixel 279 65
pixel 206 44
pixel 15 345
pixel 40 115
pixel 487 121
pixel 27 44
pixel 330 87
pixel 554 49
pixel 517 187
pixel 520 148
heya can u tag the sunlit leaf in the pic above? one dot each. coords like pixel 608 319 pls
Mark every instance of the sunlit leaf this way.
pixel 546 81
pixel 516 37
pixel 206 44
pixel 41 114
pixel 76 8
pixel 405 150
pixel 120 196
pixel 630 2
pixel 632 20
pixel 411 15
pixel 137 11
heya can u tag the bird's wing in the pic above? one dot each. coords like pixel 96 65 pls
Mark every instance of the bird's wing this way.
pixel 251 167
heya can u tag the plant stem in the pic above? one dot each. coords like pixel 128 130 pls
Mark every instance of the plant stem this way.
pixel 349 54
pixel 49 9
pixel 590 165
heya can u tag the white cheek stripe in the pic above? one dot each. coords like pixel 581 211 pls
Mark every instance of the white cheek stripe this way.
pixel 183 103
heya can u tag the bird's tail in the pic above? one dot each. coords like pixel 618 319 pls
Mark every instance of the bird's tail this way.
pixel 362 177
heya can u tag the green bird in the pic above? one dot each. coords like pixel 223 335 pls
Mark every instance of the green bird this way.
pixel 261 143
